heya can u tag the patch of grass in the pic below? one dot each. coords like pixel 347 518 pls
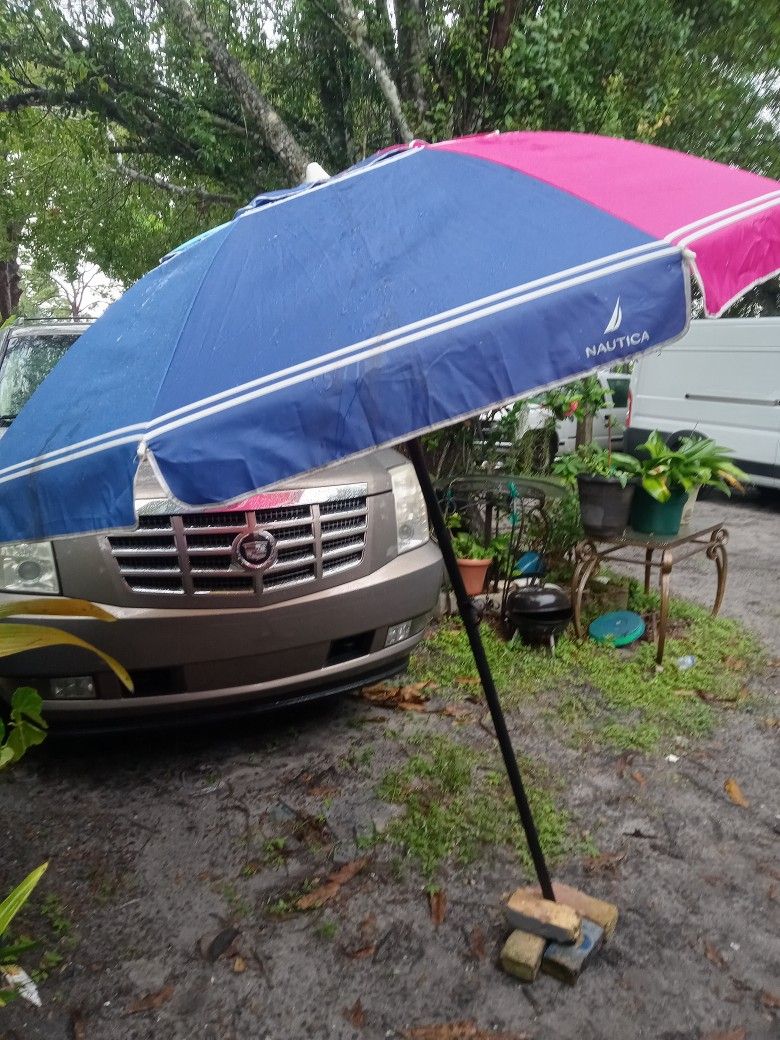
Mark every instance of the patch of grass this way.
pixel 457 801
pixel 56 914
pixel 610 695
pixel 237 904
pixel 285 904
pixel 274 851
pixel 326 930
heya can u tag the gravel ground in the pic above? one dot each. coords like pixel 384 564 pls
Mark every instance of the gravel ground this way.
pixel 160 850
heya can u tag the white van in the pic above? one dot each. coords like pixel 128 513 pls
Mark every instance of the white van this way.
pixel 722 379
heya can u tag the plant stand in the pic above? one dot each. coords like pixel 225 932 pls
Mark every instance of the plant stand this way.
pixel 660 552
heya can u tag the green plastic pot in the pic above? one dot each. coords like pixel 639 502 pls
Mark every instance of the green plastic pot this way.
pixel 651 517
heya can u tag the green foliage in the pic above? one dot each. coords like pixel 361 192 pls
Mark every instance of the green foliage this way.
pixel 608 695
pixel 80 116
pixel 697 461
pixel 581 398
pixel 26 726
pixel 457 801
pixel 595 461
pixel 9 908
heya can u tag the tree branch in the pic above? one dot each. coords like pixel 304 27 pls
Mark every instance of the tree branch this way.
pixel 37 98
pixel 355 31
pixel 274 130
pixel 158 181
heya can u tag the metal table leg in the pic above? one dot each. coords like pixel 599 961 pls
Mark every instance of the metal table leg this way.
pixel 716 551
pixel 587 560
pixel 648 567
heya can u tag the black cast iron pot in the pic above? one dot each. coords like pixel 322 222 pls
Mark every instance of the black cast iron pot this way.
pixel 538 612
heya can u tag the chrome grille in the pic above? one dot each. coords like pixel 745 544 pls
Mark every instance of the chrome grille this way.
pixel 190 554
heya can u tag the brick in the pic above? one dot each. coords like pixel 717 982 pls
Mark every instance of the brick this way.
pixel 522 955
pixel 566 961
pixel 532 913
pixel 598 910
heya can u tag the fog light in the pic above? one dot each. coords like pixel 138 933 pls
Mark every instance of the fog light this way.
pixel 73 688
pixel 397 633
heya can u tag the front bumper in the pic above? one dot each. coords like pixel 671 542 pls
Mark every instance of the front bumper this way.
pixel 199 660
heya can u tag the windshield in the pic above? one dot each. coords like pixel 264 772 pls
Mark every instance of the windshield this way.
pixel 27 362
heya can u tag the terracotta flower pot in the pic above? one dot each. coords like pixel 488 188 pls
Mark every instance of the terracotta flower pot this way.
pixel 473 573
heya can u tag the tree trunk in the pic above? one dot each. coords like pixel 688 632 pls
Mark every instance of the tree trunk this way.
pixel 584 434
pixel 356 33
pixel 275 132
pixel 10 281
pixel 411 48
pixel 502 24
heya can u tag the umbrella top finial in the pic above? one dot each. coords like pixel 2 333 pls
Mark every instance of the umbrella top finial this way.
pixel 315 173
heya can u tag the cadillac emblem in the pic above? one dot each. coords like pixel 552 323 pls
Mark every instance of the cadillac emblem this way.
pixel 255 550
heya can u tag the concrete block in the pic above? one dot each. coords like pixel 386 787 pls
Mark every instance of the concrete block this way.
pixel 522 955
pixel 566 961
pixel 532 913
pixel 597 910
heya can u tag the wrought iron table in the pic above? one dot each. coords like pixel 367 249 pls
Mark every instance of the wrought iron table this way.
pixel 660 551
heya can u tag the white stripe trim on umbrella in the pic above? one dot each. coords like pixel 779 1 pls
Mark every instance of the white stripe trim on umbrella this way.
pixel 739 208
pixel 727 221
pixel 140 427
pixel 156 430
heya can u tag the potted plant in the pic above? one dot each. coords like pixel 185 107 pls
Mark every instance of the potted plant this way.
pixel 606 482
pixel 724 474
pixel 473 558
pixel 669 475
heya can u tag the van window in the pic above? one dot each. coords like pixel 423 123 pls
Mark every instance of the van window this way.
pixel 27 362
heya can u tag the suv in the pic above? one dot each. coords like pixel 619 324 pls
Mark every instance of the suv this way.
pixel 352 586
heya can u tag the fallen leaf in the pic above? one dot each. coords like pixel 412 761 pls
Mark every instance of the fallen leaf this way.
pixel 368 926
pixel 726 1034
pixel 457 712
pixel 411 697
pixel 714 956
pixel 477 944
pixel 438 905
pixel 322 792
pixel 331 886
pixel 772 722
pixel 639 778
pixel 356 1015
pixel 770 1000
pixel 734 791
pixel 603 861
pixel 361 953
pixel 467 680
pixel 239 965
pixel 152 1001
pixel 464 1030
pixel 622 762
pixel 771 892
pixel 78 1027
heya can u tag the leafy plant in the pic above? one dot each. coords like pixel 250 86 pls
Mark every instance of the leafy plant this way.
pixel 467 547
pixel 26 726
pixel 697 461
pixel 16 639
pixel 594 461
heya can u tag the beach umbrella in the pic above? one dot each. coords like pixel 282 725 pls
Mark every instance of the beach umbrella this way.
pixel 422 286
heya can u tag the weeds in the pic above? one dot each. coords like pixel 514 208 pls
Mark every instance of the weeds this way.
pixel 457 801
pixel 607 695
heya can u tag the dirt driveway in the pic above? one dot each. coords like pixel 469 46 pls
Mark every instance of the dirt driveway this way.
pixel 169 909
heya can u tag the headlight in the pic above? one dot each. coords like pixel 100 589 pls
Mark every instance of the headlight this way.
pixel 411 516
pixel 28 567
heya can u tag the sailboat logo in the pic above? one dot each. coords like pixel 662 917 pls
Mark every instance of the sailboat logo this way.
pixel 617 316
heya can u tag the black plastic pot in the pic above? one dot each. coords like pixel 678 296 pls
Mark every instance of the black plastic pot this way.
pixel 605 505
pixel 539 613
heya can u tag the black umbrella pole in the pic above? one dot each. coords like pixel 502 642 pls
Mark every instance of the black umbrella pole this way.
pixel 467 612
